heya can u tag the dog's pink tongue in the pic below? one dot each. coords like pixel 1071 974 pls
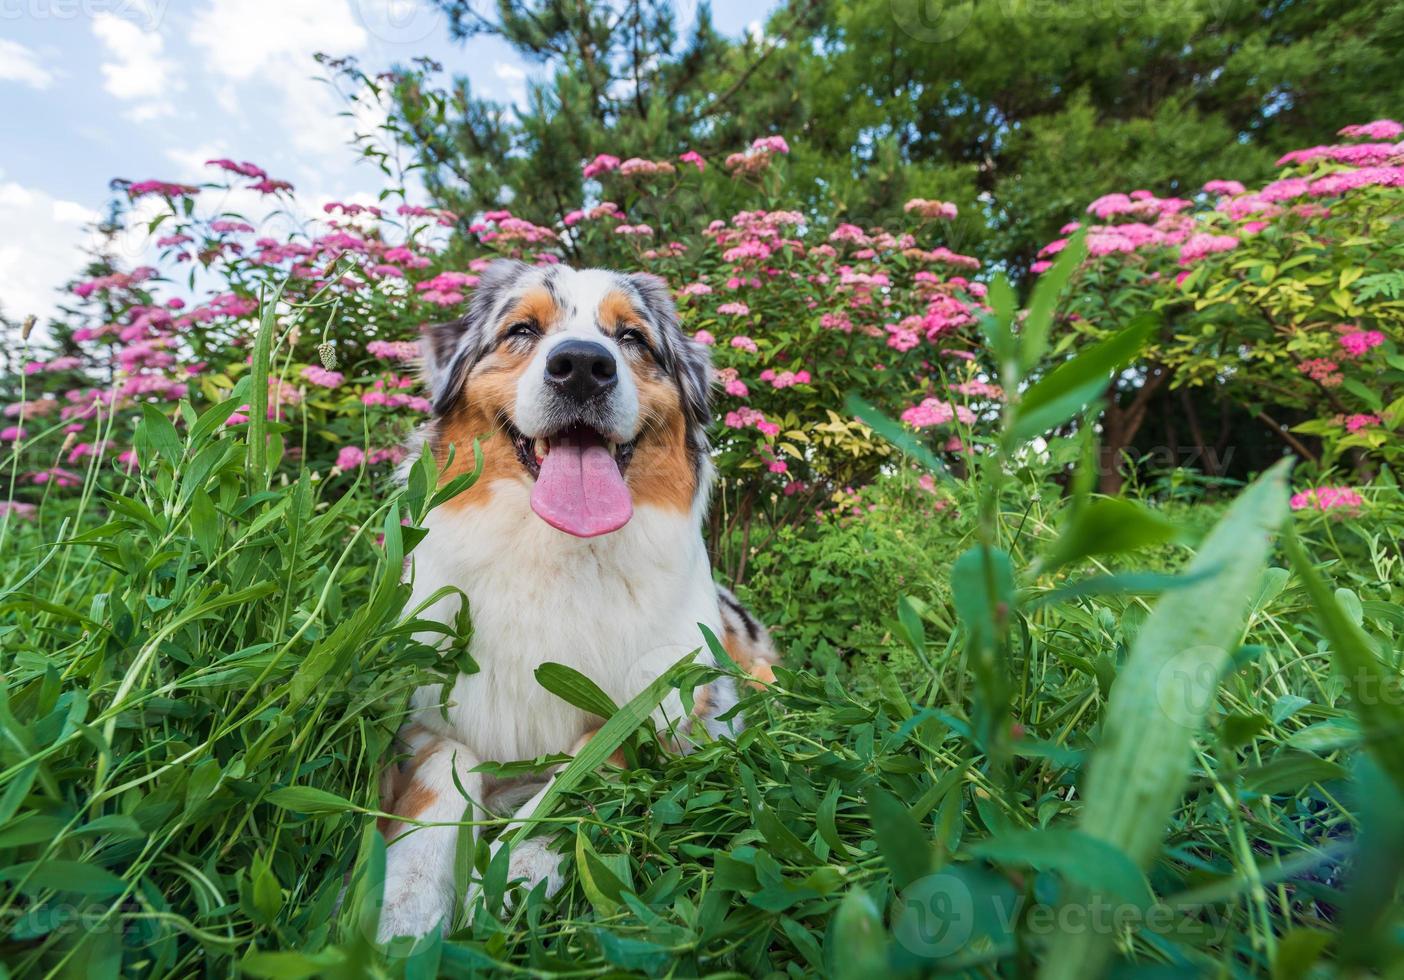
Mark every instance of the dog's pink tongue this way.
pixel 580 490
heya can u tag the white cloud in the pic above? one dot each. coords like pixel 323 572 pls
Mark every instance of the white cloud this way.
pixel 137 72
pixel 21 64
pixel 260 54
pixel 246 38
pixel 34 264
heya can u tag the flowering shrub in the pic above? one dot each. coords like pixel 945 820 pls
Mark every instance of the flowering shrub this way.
pixel 798 314
pixel 1287 298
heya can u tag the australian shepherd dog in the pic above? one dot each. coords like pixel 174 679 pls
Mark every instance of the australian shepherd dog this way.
pixel 579 543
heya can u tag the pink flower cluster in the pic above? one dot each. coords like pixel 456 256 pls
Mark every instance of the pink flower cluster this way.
pixel 923 208
pixel 602 164
pixel 1327 498
pixel 389 392
pixel 1357 343
pixel 758 157
pixel 785 379
pixel 393 350
pixel 322 377
pixel 934 411
pixel 743 418
pixel 1322 370
pixel 639 167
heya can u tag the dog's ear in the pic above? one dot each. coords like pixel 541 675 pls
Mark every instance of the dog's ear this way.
pixel 451 349
pixel 687 360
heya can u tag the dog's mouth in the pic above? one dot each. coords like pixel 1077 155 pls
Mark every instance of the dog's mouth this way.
pixel 579 476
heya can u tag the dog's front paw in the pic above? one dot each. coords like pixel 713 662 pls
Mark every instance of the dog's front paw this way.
pixel 531 862
pixel 415 905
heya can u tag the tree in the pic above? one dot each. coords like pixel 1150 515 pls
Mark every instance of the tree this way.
pixel 1020 111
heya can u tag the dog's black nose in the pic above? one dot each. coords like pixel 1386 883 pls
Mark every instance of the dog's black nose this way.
pixel 582 369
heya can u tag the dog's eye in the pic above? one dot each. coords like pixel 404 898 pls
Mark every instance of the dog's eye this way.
pixel 632 337
pixel 523 329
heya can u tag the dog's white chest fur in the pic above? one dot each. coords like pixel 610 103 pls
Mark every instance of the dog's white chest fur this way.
pixel 620 609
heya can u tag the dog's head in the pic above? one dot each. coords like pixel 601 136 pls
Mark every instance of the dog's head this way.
pixel 581 385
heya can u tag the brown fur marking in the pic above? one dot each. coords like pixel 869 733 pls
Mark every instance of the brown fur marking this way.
pixel 617 312
pixel 537 306
pixel 660 473
pixel 616 758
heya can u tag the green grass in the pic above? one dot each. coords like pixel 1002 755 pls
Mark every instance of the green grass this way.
pixel 165 675
pixel 1064 734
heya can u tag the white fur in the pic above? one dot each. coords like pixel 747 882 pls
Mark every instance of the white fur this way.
pixel 620 609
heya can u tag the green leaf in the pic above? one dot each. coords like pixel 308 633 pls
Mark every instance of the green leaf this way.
pixel 1048 288
pixel 858 950
pixel 904 846
pixel 77 877
pixel 895 434
pixel 1163 694
pixel 309 800
pixel 157 428
pixel 610 736
pixel 1109 525
pixel 575 688
pixel 1078 857
pixel 1090 369
pixel 1375 691
pixel 290 965
pixel 1290 773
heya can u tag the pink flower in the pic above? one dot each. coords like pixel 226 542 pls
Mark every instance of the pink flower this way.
pixel 318 375
pixel 694 158
pixel 934 411
pixel 1380 129
pixel 778 466
pixel 602 164
pixel 350 458
pixel 1203 244
pixel 736 388
pixel 770 144
pixel 1228 187
pixel 1357 342
pixel 1322 370
pixel 393 350
pixel 734 309
pixel 19 508
pixel 11 433
pixel 635 230
pixel 704 337
pixel 1327 498
pixel 744 343
pixel 923 208
pixel 1355 423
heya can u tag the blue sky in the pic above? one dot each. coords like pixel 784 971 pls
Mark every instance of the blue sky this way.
pixel 96 89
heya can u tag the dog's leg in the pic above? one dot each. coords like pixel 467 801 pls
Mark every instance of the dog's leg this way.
pixel 746 640
pixel 532 859
pixel 419 860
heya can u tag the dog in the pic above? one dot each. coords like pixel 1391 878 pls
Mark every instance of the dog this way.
pixel 580 543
